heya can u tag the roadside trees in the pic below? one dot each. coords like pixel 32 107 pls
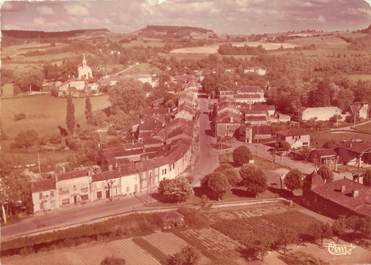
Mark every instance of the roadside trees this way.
pixel 241 155
pixel 175 190
pixel 253 179
pixel 293 180
pixel 217 183
pixel 70 115
pixel 320 231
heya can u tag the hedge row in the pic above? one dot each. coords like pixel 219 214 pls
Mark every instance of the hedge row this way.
pixel 132 225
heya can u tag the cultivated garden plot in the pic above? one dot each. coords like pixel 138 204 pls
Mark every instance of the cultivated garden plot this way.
pixel 87 255
pixel 167 243
pixel 212 241
pixel 246 212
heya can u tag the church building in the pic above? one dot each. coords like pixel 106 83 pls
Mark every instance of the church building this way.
pixel 84 70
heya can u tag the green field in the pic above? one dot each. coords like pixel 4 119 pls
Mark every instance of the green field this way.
pixel 320 138
pixel 43 113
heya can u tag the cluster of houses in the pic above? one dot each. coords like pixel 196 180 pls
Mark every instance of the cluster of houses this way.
pixel 163 149
pixel 244 114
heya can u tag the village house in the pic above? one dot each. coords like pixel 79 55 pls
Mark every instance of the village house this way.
pixel 226 124
pixel 124 170
pixel 324 156
pixel 258 134
pixel 340 197
pixel 295 137
pixel 354 153
pixel 361 110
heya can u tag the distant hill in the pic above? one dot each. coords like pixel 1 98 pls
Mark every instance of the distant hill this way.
pixel 368 30
pixel 25 34
pixel 175 31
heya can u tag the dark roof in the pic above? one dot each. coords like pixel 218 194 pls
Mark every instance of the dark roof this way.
pixel 106 175
pixel 323 152
pixel 255 118
pixel 249 89
pixel 356 147
pixel 247 96
pixel 264 129
pixel 43 185
pixel 74 174
pixel 332 191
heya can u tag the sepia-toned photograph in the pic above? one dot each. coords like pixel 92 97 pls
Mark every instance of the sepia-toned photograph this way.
pixel 185 132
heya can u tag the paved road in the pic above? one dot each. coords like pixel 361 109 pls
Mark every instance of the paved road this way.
pixel 208 158
pixel 72 216
pixel 261 151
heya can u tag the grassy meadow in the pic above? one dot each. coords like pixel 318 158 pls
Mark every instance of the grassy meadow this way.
pixel 43 113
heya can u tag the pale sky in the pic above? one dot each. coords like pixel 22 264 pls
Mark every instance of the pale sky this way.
pixel 223 16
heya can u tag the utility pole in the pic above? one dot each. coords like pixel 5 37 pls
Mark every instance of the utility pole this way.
pixel 38 162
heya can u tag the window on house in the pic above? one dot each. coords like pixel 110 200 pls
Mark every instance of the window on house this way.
pixel 74 187
pixel 65 201
pixel 84 197
pixel 40 195
pixel 84 190
pixel 63 190
pixel 52 193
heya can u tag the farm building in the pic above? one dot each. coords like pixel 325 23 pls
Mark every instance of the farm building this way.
pixel 320 113
pixel 295 137
pixel 340 197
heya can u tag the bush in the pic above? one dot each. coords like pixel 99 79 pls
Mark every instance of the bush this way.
pixel 194 218
pixel 20 116
pixel 113 261
pixel 241 155
pixel 26 139
pixel 187 256
pixel 175 190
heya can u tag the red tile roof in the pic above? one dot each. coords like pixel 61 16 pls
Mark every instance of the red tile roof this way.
pixel 332 191
pixel 43 185
pixel 78 173
pixel 106 175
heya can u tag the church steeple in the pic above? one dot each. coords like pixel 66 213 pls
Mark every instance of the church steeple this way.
pixel 84 64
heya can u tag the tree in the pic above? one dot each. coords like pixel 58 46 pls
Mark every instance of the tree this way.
pixel 283 146
pixel 187 256
pixel 320 97
pixel 175 190
pixel 339 226
pixel 320 231
pixel 127 96
pixel 31 80
pixel 256 250
pixel 253 179
pixel 70 115
pixel 293 180
pixel 241 155
pixel 113 261
pixel 217 183
pixel 326 174
pixel 233 177
pixel 367 178
pixel 26 139
pixel 88 111
pixel 344 99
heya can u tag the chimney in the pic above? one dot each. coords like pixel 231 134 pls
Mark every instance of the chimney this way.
pixel 343 188
pixel 355 193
